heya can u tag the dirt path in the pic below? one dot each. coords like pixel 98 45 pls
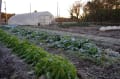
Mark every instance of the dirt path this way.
pixel 90 30
pixel 11 67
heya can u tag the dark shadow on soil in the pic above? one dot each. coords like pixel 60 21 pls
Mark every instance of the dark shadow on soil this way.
pixel 11 67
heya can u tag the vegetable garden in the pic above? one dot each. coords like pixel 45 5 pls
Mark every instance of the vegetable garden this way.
pixel 30 45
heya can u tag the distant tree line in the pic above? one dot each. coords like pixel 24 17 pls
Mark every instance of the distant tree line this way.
pixel 98 11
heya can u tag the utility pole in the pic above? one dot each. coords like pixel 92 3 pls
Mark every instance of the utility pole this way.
pixel 5 13
pixel 30 7
pixel 0 10
pixel 57 9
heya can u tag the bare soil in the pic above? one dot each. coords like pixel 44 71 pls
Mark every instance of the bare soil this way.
pixel 11 67
pixel 90 30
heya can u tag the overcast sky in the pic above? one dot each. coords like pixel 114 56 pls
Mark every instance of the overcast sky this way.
pixel 23 6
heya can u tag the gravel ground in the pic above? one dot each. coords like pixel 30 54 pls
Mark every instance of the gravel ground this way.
pixel 11 67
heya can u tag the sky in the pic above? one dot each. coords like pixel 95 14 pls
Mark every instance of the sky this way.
pixel 23 6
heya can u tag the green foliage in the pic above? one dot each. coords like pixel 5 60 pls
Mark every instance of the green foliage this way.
pixel 57 41
pixel 4 27
pixel 90 48
pixel 10 41
pixel 54 67
pixel 53 38
pixel 84 46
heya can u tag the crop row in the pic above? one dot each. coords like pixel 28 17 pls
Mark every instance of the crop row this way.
pixel 52 66
pixel 84 46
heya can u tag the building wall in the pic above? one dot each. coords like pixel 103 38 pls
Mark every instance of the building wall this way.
pixel 45 20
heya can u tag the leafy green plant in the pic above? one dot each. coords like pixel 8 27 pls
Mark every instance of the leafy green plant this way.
pixel 57 41
pixel 4 27
pixel 54 67
pixel 90 48
pixel 53 38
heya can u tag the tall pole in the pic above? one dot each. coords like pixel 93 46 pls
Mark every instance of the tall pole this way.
pixel 57 9
pixel 5 13
pixel 0 10
pixel 30 7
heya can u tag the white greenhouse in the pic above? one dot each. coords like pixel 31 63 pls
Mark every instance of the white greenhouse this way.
pixel 36 18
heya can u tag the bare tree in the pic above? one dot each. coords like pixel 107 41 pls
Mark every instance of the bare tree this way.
pixel 71 13
pixel 75 10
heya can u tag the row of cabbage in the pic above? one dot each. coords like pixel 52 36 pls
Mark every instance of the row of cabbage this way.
pixel 84 46
pixel 52 66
